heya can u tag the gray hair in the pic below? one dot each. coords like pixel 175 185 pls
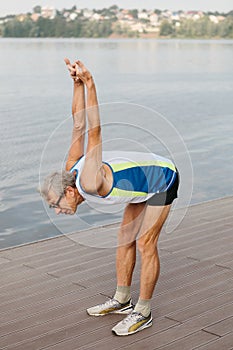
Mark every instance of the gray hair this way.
pixel 57 182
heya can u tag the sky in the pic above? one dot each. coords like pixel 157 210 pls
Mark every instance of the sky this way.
pixel 23 6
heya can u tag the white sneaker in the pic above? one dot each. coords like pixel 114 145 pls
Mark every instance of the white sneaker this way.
pixel 133 323
pixel 111 306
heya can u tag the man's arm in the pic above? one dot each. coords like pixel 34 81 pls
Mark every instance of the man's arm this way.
pixel 93 173
pixel 79 120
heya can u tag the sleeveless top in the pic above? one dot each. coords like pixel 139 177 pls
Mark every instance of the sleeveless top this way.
pixel 136 177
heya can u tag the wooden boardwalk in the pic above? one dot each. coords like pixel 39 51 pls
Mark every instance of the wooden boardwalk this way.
pixel 47 286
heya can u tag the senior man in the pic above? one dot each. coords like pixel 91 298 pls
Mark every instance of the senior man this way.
pixel 145 182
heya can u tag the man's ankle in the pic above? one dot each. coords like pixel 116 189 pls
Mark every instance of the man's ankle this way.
pixel 122 294
pixel 143 307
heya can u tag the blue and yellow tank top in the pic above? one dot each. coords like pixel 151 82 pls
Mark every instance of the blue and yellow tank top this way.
pixel 136 177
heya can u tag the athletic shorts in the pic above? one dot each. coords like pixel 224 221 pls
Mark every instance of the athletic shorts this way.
pixel 166 198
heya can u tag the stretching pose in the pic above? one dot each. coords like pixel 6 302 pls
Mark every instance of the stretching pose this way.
pixel 145 182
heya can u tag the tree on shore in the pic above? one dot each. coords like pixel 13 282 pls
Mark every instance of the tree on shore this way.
pixel 61 26
pixel 166 28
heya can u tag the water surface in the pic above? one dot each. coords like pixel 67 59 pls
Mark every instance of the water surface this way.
pixel 156 95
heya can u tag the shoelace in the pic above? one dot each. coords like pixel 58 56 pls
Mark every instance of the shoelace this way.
pixel 109 302
pixel 131 317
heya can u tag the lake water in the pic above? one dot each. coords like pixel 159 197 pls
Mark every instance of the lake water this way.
pixel 172 97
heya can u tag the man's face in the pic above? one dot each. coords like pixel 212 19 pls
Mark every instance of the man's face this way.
pixel 65 204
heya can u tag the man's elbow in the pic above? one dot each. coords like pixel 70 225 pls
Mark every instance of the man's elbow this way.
pixel 91 185
pixel 79 127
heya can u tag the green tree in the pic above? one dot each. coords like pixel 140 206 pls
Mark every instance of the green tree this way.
pixel 34 32
pixel 134 13
pixel 117 29
pixel 37 9
pixel 225 28
pixel 166 28
pixel 17 29
pixel 186 29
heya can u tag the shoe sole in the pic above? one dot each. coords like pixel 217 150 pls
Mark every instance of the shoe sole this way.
pixel 146 325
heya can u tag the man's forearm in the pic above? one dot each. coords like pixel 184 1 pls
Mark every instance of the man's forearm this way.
pixel 78 110
pixel 92 107
pixel 79 125
pixel 78 103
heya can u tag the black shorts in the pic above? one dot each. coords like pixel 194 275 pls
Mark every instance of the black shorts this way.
pixel 166 198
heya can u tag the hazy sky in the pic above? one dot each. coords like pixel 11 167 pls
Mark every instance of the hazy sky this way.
pixel 16 6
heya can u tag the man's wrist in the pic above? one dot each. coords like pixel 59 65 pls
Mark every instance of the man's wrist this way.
pixel 90 83
pixel 78 83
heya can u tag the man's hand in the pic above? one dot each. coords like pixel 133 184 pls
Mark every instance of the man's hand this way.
pixel 83 74
pixel 72 68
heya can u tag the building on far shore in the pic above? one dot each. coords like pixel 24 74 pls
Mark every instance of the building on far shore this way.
pixel 48 12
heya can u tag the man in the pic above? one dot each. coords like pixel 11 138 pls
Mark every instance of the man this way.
pixel 147 183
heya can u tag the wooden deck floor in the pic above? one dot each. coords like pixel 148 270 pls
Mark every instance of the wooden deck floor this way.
pixel 47 286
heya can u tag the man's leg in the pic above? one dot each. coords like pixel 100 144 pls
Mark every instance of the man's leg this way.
pixel 126 250
pixel 152 223
pixel 125 262
pixel 154 219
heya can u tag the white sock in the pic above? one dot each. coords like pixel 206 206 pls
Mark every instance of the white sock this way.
pixel 143 307
pixel 122 294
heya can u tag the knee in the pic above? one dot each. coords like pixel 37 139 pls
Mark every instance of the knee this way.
pixel 127 237
pixel 147 245
pixel 126 246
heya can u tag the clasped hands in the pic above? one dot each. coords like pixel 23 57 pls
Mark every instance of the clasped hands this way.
pixel 79 73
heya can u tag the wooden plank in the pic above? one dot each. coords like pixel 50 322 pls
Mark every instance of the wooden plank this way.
pixel 207 250
pixel 200 219
pixel 41 333
pixel 39 297
pixel 209 206
pixel 189 269
pixel 78 276
pixel 77 257
pixel 3 261
pixel 183 230
pixel 36 317
pixel 204 242
pixel 35 308
pixel 228 264
pixel 221 258
pixel 196 309
pixel 223 343
pixel 35 279
pixel 68 339
pixel 177 302
pixel 20 273
pixel 221 328
pixel 37 247
pixel 189 279
pixel 85 267
pixel 210 233
pixel 44 257
pixel 47 285
pixel 190 342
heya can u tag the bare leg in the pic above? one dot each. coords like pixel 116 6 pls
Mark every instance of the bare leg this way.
pixel 153 221
pixel 126 251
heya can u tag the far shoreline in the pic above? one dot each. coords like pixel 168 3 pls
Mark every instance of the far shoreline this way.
pixel 120 37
